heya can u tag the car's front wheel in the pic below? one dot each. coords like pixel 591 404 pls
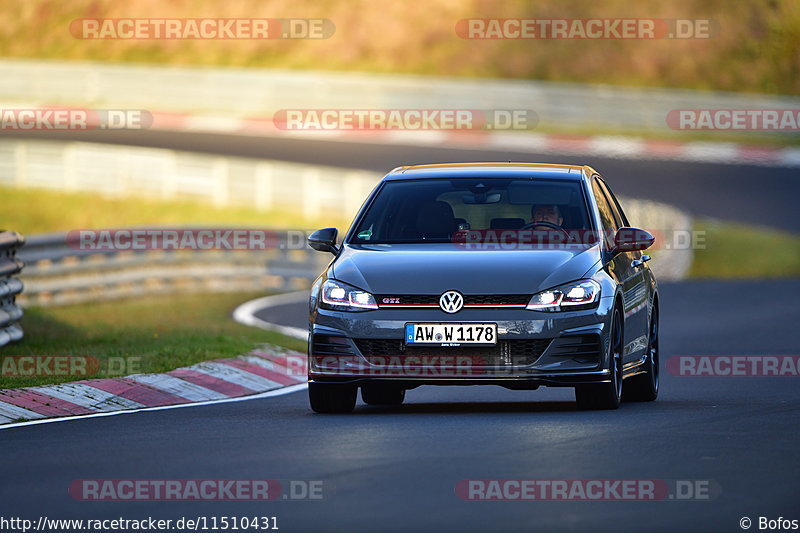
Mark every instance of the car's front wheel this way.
pixel 606 395
pixel 332 397
pixel 382 394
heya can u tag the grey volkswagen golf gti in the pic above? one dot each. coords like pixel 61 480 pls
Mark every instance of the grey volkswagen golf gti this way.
pixel 513 274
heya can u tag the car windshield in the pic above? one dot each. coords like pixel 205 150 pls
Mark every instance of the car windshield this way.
pixel 445 210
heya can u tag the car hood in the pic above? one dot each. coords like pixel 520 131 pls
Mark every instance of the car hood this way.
pixel 435 268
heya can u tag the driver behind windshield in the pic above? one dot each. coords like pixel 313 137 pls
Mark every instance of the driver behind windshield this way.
pixel 546 213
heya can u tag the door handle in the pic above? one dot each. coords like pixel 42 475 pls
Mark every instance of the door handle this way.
pixel 636 263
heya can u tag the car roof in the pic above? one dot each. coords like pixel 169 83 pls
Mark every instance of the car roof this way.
pixel 490 170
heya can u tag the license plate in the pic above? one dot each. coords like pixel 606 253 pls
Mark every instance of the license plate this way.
pixel 451 334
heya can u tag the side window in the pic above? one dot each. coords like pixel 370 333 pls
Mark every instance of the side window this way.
pixel 622 220
pixel 610 225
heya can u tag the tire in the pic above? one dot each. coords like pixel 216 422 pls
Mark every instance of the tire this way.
pixel 332 397
pixel 606 395
pixel 644 387
pixel 382 394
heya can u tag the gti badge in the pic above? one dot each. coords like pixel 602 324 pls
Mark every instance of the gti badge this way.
pixel 451 302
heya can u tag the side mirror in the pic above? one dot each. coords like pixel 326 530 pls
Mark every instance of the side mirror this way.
pixel 631 239
pixel 324 240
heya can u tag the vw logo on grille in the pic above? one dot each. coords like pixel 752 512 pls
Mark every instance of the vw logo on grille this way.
pixel 451 302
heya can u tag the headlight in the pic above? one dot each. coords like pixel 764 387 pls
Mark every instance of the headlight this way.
pixel 572 296
pixel 341 297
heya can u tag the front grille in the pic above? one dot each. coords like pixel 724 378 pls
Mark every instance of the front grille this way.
pixel 380 346
pixel 499 299
pixel 469 299
pixel 517 352
pixel 407 299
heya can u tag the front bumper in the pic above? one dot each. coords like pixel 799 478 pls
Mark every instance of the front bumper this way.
pixel 534 348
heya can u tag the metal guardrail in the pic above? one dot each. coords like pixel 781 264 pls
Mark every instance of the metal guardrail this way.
pixel 260 92
pixel 10 287
pixel 163 174
pixel 57 273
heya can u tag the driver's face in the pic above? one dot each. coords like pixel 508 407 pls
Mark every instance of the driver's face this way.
pixel 547 213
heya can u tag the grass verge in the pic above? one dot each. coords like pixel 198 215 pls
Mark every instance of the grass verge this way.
pixel 31 211
pixel 152 334
pixel 737 251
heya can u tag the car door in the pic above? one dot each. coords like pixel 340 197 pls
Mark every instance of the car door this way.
pixel 623 269
pixel 642 296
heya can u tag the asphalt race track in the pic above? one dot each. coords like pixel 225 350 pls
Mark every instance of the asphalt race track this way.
pixel 396 469
pixel 752 194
